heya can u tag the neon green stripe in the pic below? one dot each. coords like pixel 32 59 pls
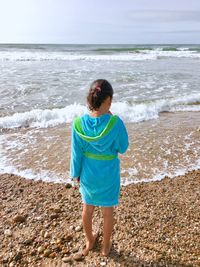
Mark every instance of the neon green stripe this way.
pixel 78 125
pixel 79 129
pixel 99 157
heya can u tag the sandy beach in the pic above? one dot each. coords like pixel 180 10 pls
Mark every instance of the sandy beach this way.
pixel 156 224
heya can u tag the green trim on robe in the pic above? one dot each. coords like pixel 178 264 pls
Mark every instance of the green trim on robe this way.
pixel 79 129
pixel 99 156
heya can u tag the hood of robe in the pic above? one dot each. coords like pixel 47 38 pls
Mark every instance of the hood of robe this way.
pixel 100 131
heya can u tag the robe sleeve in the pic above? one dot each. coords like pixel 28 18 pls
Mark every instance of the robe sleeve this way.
pixel 76 155
pixel 122 141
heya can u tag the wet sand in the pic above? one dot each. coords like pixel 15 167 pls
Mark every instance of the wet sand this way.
pixel 158 147
pixel 156 224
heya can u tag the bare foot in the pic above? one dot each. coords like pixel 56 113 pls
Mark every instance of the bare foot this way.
pixel 89 245
pixel 106 249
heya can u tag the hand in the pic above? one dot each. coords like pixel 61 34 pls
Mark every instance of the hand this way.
pixel 76 182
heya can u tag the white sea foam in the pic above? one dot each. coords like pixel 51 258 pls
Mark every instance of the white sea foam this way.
pixel 46 176
pixel 161 176
pixel 43 118
pixel 129 112
pixel 128 56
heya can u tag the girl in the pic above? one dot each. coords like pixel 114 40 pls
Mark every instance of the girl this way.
pixel 96 141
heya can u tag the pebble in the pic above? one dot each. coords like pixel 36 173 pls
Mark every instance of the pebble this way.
pixel 47 252
pixel 58 241
pixel 78 257
pixel 28 241
pixel 75 249
pixel 67 259
pixel 18 256
pixel 71 227
pixel 46 235
pixel 8 232
pixel 52 255
pixel 42 232
pixel 158 252
pixel 68 186
pixel 38 218
pixel 57 210
pixel 19 218
pixel 40 249
pixel 65 250
pixel 33 252
pixel 68 237
pixel 54 216
pixel 78 228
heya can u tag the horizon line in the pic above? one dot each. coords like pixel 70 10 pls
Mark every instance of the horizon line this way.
pixel 98 43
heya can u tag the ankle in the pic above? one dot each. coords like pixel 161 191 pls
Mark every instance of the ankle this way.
pixel 106 244
pixel 90 240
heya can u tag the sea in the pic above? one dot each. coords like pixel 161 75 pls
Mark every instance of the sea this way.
pixel 43 87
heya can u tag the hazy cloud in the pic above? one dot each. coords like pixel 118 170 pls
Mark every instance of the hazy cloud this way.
pixel 165 16
pixel 105 21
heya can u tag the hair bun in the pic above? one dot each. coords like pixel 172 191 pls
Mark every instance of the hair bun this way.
pixel 98 89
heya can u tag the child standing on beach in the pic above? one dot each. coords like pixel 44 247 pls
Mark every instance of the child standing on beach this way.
pixel 97 138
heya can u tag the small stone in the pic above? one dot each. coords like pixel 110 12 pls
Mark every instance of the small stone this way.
pixel 46 225
pixel 68 237
pixel 75 249
pixel 71 227
pixel 40 249
pixel 38 218
pixel 42 232
pixel 8 210
pixel 78 257
pixel 120 250
pixel 28 241
pixel 46 235
pixel 12 264
pixel 19 218
pixel 6 258
pixel 68 185
pixel 57 210
pixel 47 252
pixel 18 256
pixel 54 216
pixel 8 232
pixel 33 252
pixel 103 263
pixel 52 255
pixel 58 241
pixel 67 259
pixel 78 228
pixel 65 250
pixel 55 223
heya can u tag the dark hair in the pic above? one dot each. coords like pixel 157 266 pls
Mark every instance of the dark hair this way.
pixel 99 90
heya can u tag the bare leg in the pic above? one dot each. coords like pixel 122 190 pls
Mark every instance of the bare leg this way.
pixel 108 219
pixel 87 226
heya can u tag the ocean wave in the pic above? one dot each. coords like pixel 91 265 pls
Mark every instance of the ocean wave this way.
pixel 134 55
pixel 130 112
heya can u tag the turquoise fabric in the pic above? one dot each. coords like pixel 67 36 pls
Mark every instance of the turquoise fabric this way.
pixel 99 179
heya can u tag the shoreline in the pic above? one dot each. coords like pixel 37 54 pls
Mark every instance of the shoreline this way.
pixel 156 224
pixel 166 146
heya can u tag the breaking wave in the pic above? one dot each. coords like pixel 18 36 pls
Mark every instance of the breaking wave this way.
pixel 129 112
pixel 103 55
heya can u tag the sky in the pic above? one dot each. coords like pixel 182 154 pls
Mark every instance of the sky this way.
pixel 100 21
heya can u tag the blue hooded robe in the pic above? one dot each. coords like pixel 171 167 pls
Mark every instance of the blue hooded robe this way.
pixel 96 142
